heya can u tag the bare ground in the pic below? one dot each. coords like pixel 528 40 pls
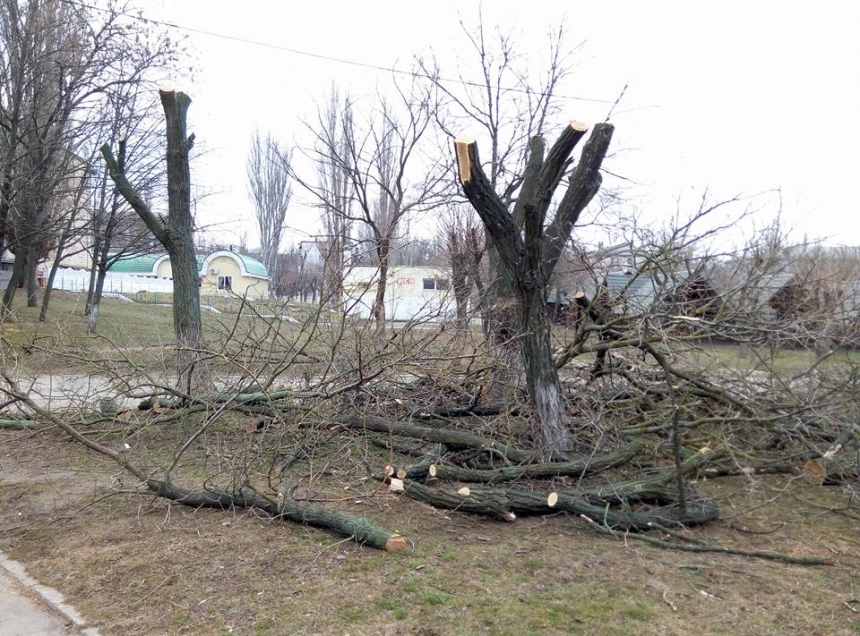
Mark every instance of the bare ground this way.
pixel 136 565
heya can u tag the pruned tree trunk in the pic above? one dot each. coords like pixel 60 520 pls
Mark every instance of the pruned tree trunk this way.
pixel 527 251
pixel 176 235
pixel 187 322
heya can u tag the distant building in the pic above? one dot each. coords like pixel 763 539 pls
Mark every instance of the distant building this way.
pixel 222 272
pixel 411 293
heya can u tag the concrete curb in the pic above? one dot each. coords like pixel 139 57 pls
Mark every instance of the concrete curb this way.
pixel 48 595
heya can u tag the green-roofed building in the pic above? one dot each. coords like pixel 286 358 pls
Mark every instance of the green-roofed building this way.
pixel 140 265
pixel 223 272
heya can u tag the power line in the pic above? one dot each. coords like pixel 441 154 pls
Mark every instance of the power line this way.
pixel 329 58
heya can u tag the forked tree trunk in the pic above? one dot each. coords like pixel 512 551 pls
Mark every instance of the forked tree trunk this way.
pixel 526 253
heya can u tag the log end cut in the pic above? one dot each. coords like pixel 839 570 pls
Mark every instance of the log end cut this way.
pixel 578 126
pixel 552 499
pixel 395 543
pixel 396 485
pixel 464 161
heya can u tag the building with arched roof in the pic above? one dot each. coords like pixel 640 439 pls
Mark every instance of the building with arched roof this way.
pixel 221 272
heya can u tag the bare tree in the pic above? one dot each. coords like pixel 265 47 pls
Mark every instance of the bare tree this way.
pixel 463 246
pixel 117 231
pixel 268 169
pixel 176 234
pixel 503 100
pixel 379 155
pixel 77 202
pixel 333 169
pixel 59 61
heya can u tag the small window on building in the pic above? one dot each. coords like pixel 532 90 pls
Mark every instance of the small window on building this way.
pixel 225 282
pixel 436 283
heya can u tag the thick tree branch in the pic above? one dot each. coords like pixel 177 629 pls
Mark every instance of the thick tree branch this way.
pixel 531 178
pixel 555 165
pixel 117 174
pixel 584 184
pixel 495 216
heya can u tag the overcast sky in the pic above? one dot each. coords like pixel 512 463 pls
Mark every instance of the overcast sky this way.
pixel 730 97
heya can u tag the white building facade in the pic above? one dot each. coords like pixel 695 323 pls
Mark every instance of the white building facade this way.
pixel 411 293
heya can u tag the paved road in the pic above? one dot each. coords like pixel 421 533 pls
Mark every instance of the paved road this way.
pixel 23 614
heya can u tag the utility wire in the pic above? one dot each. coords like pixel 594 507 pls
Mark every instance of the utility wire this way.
pixel 329 58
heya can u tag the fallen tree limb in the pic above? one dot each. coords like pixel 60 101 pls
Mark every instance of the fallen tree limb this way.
pixel 534 502
pixel 17 424
pixel 448 437
pixel 398 446
pixel 652 489
pixel 509 473
pixel 362 530
pixel 493 504
pixel 427 467
pixel 468 410
pixel 358 528
pixel 506 503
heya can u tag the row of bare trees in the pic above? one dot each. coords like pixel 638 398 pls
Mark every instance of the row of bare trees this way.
pixel 72 76
pixel 379 164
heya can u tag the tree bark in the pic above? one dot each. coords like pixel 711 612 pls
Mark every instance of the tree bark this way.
pixel 383 250
pixel 96 303
pixel 435 434
pixel 176 234
pixel 357 528
pixel 14 280
pixel 5 202
pixel 58 257
pixel 534 471
pixel 32 265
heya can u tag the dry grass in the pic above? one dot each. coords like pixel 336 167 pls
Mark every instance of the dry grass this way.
pixel 139 334
pixel 136 565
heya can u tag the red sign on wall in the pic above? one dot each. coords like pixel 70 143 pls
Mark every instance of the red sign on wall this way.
pixel 404 281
